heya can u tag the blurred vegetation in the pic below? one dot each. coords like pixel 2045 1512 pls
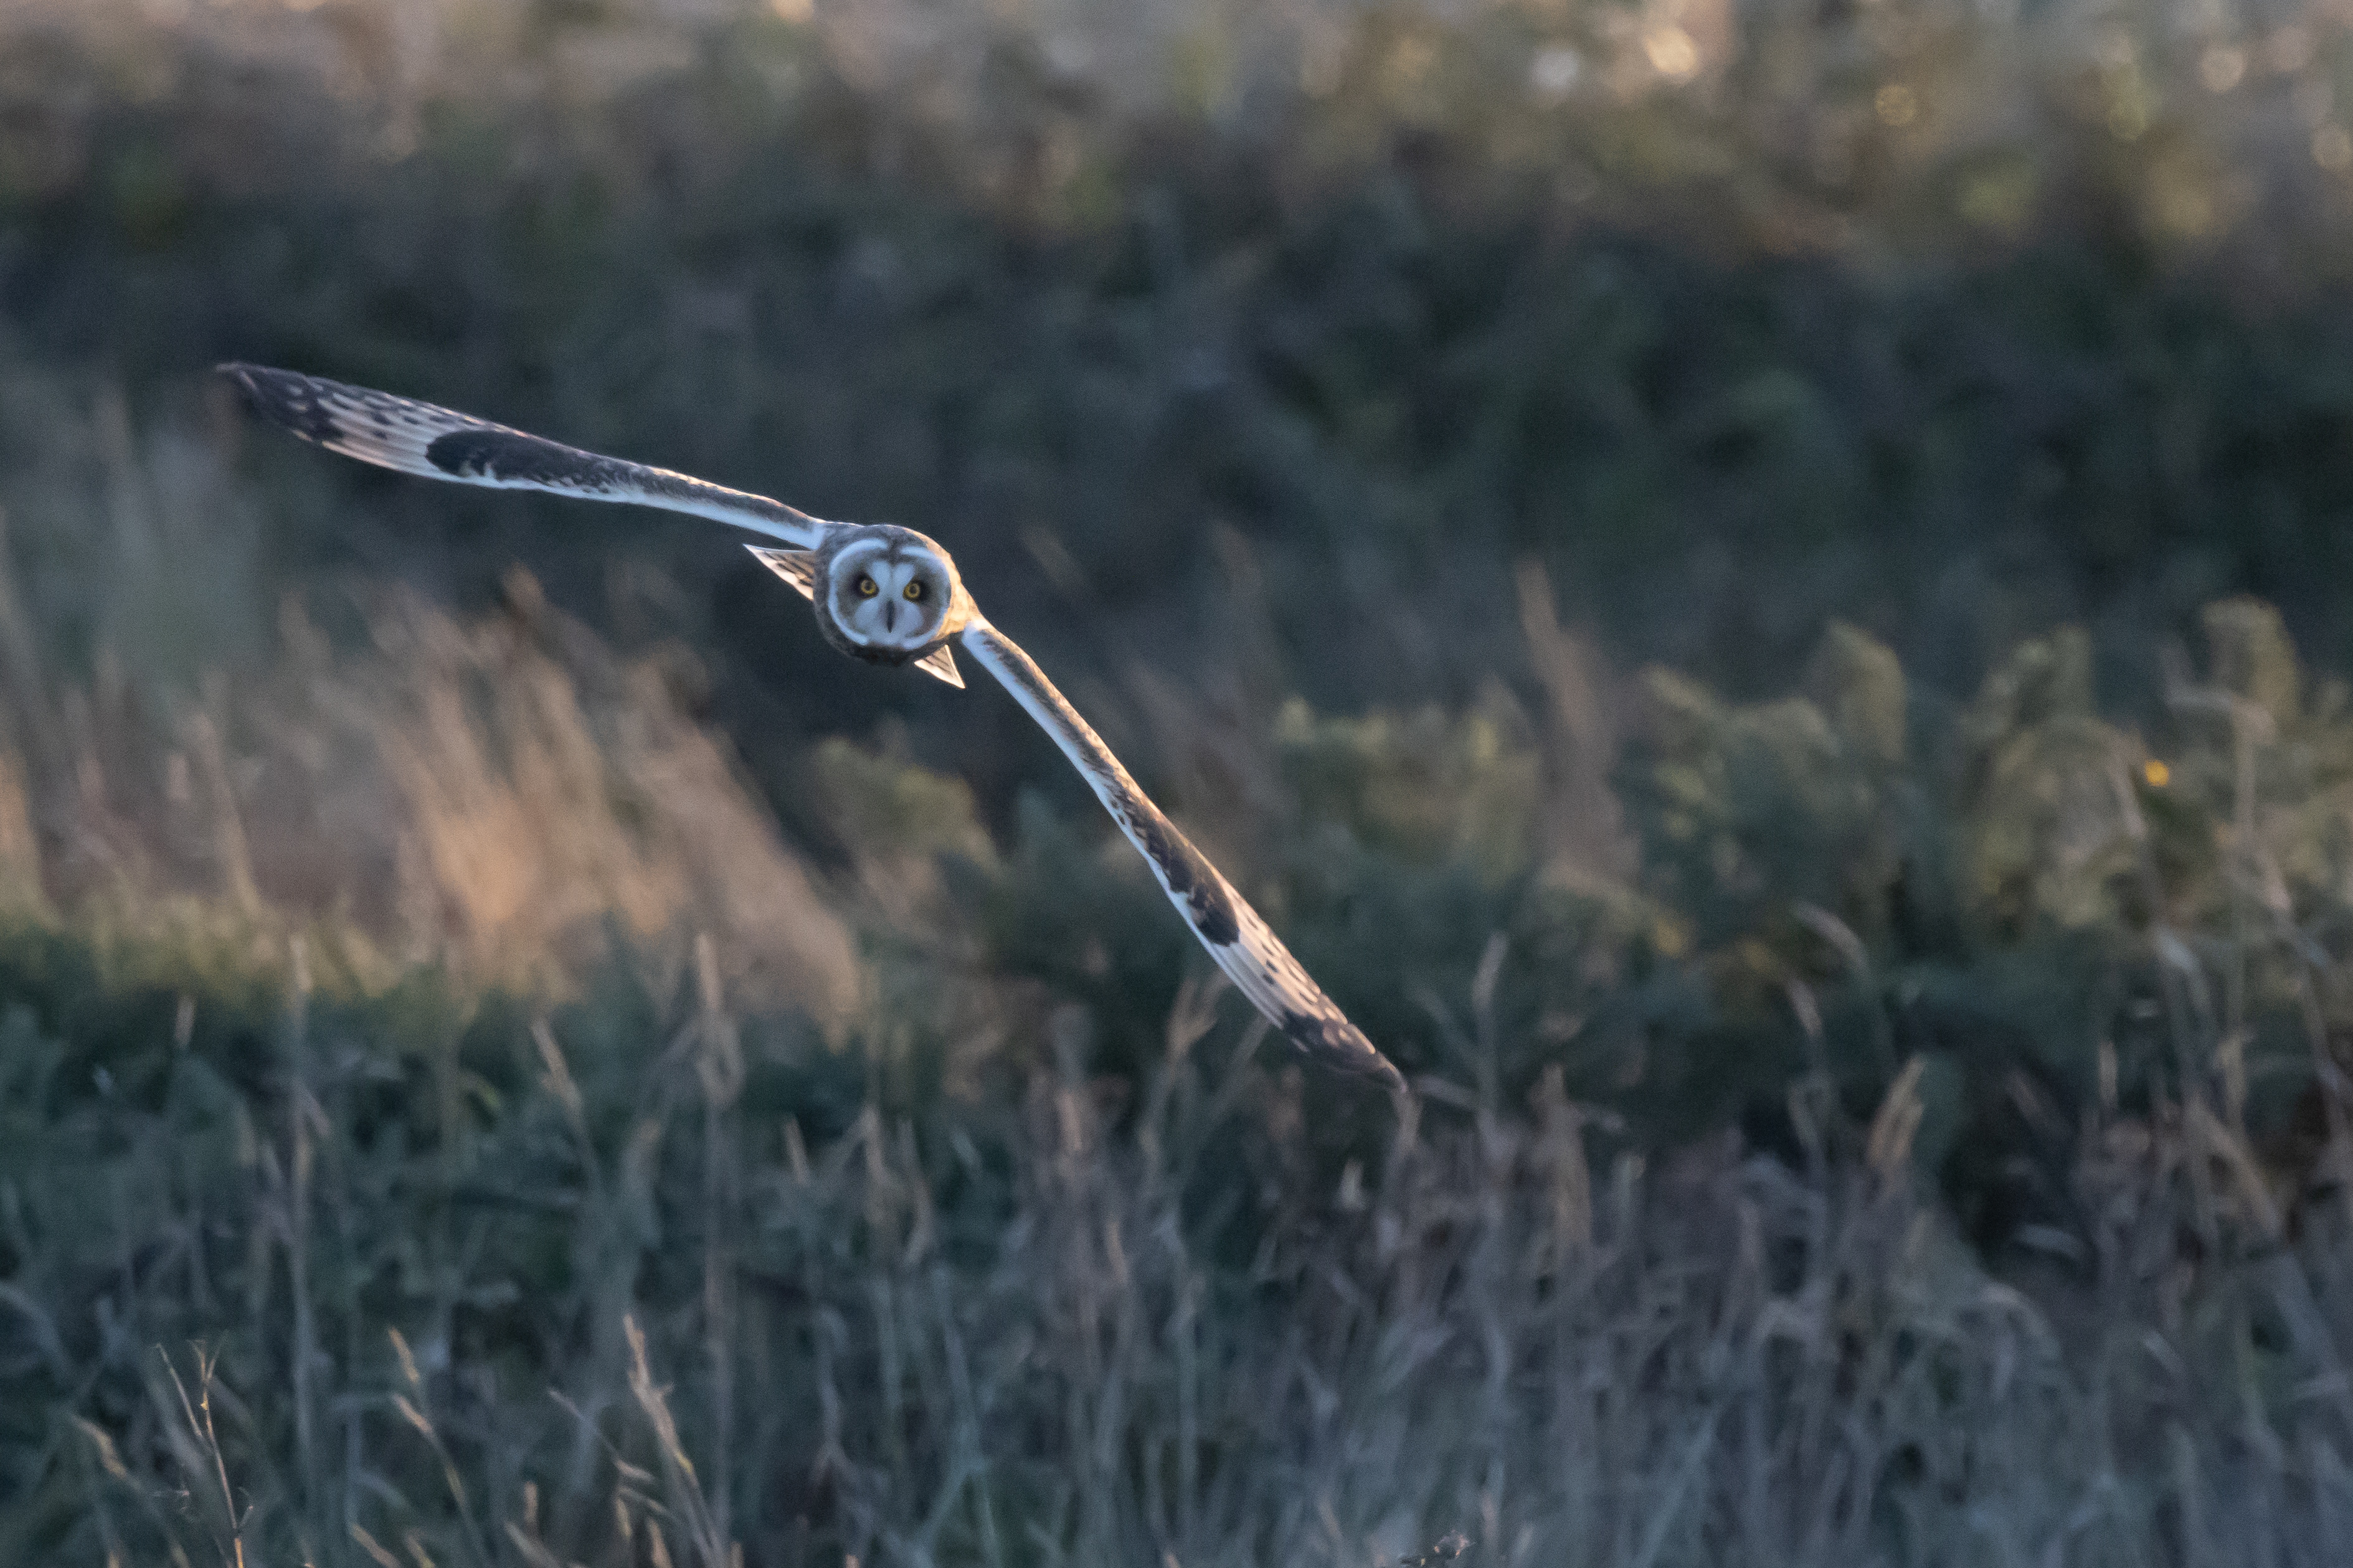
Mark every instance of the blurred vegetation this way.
pixel 1757 592
pixel 1691 306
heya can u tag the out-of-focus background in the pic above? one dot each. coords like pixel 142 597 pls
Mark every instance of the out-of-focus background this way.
pixel 1764 592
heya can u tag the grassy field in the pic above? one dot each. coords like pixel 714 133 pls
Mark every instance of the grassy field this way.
pixel 1759 592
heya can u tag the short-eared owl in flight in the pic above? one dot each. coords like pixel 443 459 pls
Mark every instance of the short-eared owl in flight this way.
pixel 884 595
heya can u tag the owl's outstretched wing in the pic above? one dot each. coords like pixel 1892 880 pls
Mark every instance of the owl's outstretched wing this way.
pixel 1260 967
pixel 420 438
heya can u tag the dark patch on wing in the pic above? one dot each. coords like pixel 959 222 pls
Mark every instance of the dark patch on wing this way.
pixel 511 458
pixel 423 439
pixel 1191 878
pixel 518 459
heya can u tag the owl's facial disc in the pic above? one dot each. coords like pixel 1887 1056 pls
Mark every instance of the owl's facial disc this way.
pixel 890 592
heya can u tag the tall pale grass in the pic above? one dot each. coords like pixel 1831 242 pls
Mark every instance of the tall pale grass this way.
pixel 499 796
pixel 608 1316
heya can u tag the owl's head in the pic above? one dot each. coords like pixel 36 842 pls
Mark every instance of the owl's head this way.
pixel 887 594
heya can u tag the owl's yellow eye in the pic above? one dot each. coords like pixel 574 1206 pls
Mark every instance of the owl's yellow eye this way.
pixel 916 589
pixel 866 588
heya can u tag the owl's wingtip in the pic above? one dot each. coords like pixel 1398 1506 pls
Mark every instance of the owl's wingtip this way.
pixel 1381 1070
pixel 1337 1043
pixel 284 397
pixel 250 377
